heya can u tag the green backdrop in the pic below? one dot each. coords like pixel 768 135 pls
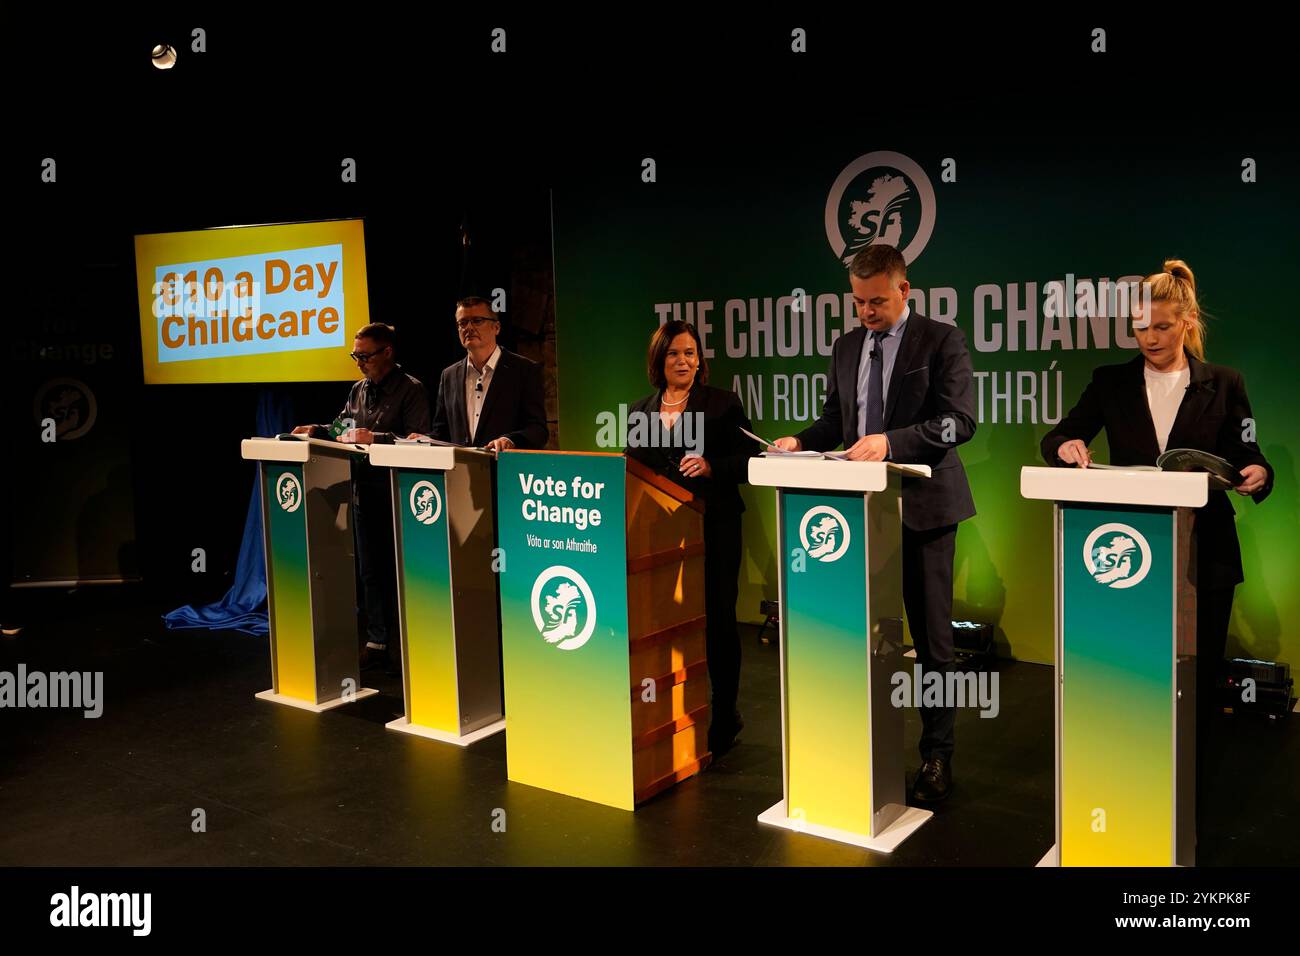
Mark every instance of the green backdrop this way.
pixel 741 230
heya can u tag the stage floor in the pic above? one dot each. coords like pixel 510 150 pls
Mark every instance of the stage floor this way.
pixel 181 731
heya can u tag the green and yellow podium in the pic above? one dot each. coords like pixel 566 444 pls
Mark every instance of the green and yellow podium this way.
pixel 1125 628
pixel 306 493
pixel 446 589
pixel 602 626
pixel 839 527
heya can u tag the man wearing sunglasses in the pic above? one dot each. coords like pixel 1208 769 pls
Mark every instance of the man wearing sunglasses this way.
pixel 493 398
pixel 384 403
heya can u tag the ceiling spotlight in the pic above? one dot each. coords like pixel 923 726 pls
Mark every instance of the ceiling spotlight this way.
pixel 164 56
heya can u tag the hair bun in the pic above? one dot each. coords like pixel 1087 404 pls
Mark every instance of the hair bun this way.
pixel 1180 270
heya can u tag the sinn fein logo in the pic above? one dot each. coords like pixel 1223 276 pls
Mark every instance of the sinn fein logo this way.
pixel 70 402
pixel 564 609
pixel 288 492
pixel 1116 555
pixel 880 197
pixel 824 533
pixel 426 503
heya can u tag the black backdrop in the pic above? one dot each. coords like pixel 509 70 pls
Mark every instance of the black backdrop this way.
pixel 446 134
pixel 190 486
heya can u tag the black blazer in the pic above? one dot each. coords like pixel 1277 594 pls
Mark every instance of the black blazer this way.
pixel 515 406
pixel 725 449
pixel 1210 418
pixel 931 387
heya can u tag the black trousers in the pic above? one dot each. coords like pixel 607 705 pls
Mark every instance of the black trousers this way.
pixel 721 586
pixel 1213 611
pixel 927 598
pixel 372 521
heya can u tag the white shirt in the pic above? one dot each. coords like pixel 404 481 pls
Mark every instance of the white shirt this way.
pixel 474 395
pixel 1164 395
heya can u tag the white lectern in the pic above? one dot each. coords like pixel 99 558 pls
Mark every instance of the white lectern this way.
pixel 1125 628
pixel 839 526
pixel 443 527
pixel 306 492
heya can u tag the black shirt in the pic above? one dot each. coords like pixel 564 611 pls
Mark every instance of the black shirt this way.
pixel 723 446
pixel 391 408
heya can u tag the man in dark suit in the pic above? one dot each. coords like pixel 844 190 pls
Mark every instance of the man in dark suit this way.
pixel 385 403
pixel 901 388
pixel 493 398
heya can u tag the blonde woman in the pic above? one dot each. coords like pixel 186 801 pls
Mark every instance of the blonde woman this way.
pixel 1170 397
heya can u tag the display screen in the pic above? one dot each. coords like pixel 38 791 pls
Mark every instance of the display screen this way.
pixel 252 303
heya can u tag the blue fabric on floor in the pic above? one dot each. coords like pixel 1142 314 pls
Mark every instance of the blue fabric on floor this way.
pixel 244 606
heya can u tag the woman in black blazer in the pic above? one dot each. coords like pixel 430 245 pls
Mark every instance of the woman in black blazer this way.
pixel 677 369
pixel 1170 397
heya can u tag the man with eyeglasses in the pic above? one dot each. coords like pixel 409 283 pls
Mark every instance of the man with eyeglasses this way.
pixel 494 398
pixel 386 402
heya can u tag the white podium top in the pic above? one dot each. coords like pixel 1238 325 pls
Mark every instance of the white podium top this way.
pixel 1111 486
pixel 423 457
pixel 298 449
pixel 779 471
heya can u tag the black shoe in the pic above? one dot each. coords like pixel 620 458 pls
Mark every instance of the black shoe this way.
pixel 372 657
pixel 724 731
pixel 393 662
pixel 934 782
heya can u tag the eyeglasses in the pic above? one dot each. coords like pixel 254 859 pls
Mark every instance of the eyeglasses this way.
pixel 474 320
pixel 360 357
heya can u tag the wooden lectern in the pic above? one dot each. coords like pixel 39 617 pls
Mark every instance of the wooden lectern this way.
pixel 602 608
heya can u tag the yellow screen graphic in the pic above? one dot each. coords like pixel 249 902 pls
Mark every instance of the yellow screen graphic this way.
pixel 252 303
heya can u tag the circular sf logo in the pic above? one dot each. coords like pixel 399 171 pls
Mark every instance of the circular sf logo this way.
pixel 1116 555
pixel 882 197
pixel 564 609
pixel 824 533
pixel 426 503
pixel 288 492
pixel 72 405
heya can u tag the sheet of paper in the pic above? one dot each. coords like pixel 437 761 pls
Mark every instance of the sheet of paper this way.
pixel 425 440
pixel 762 441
